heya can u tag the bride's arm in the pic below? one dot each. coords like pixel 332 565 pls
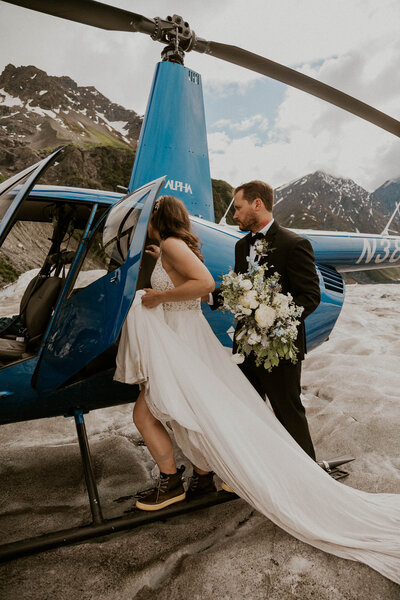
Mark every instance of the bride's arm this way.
pixel 196 278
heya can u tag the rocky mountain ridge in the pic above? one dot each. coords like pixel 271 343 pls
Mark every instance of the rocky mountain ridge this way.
pixel 321 201
pixel 46 111
pixel 39 112
pixel 389 195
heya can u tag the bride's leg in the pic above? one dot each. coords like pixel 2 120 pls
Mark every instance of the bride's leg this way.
pixel 170 487
pixel 155 436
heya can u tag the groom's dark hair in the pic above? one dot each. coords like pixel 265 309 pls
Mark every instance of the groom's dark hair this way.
pixel 257 189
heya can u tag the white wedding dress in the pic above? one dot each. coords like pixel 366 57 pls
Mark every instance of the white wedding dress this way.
pixel 221 423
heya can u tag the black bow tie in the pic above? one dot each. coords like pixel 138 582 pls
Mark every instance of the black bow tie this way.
pixel 254 238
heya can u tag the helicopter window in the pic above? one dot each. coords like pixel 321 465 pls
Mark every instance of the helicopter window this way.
pixel 120 226
pixel 109 245
pixel 21 256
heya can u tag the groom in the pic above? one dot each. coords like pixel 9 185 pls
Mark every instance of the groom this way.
pixel 292 257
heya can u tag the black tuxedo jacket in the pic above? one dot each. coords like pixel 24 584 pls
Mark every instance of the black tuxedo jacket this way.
pixel 292 257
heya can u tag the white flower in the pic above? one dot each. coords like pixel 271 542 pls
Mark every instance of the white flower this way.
pixel 283 311
pixel 237 358
pixel 246 311
pixel 281 300
pixel 246 284
pixel 254 338
pixel 265 316
pixel 262 247
pixel 249 299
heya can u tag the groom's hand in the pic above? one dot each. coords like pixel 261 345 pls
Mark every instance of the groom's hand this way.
pixel 151 298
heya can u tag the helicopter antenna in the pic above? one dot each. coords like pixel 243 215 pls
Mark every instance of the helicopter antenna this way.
pixel 223 218
pixel 386 230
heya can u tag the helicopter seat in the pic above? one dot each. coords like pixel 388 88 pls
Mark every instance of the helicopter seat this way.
pixel 37 305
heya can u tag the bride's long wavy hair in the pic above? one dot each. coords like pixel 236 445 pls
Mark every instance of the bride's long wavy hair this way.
pixel 171 219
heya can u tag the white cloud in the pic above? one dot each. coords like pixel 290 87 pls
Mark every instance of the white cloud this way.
pixel 218 143
pixel 255 121
pixel 301 144
pixel 309 134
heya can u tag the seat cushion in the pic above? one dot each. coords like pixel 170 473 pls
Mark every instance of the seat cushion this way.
pixel 11 349
pixel 40 305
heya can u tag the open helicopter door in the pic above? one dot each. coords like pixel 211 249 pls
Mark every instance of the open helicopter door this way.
pixel 99 291
pixel 11 197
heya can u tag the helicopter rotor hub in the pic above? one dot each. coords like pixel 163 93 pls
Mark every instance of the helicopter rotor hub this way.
pixel 178 36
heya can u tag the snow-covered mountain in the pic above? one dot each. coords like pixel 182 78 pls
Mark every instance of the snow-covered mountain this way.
pixel 322 201
pixel 389 193
pixel 39 112
pixel 45 111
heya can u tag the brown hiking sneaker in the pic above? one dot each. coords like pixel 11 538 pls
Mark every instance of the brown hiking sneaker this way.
pixel 200 485
pixel 168 491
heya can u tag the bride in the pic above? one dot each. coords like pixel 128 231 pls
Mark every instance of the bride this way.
pixel 190 386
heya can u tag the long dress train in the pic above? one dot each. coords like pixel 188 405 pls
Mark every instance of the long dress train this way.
pixel 221 423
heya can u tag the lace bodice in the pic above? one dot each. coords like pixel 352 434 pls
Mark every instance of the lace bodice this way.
pixel 161 281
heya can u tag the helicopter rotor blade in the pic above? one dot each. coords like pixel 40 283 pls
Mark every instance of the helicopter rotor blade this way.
pixel 90 12
pixel 264 66
pixel 97 14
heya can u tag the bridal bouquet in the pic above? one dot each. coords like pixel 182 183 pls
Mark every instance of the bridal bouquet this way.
pixel 267 319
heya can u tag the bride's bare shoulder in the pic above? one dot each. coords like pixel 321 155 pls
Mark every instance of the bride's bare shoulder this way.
pixel 172 245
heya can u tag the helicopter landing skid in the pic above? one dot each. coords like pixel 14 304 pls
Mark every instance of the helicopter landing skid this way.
pixel 134 518
pixel 101 527
pixel 332 465
pixel 338 473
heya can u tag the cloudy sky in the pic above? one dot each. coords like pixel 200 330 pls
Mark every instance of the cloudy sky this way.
pixel 257 128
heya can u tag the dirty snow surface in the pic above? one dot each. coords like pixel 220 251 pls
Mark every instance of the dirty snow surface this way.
pixel 351 388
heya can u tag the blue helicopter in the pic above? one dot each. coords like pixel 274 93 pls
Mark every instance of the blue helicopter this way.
pixel 57 355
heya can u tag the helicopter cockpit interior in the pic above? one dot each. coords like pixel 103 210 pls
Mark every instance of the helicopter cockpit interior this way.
pixel 35 256
pixel 51 243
